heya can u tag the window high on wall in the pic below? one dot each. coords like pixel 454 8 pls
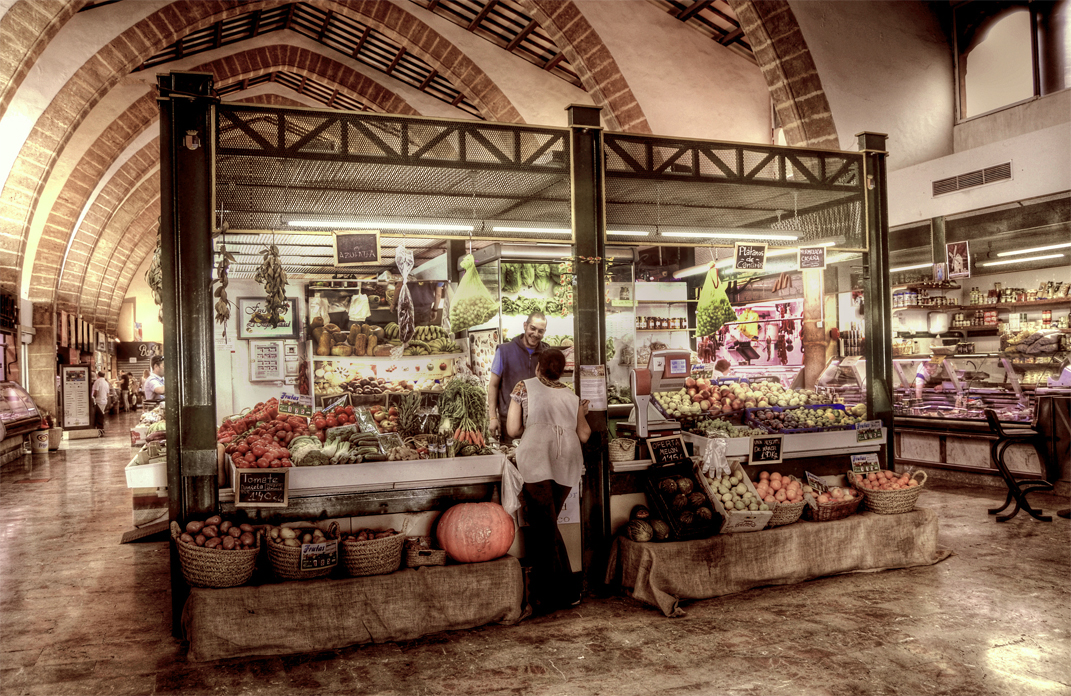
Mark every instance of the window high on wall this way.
pixel 1010 51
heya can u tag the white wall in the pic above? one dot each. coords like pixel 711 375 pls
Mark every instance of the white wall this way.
pixel 144 309
pixel 687 84
pixel 1036 114
pixel 1041 165
pixel 885 67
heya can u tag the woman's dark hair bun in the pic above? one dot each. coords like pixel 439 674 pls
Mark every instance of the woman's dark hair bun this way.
pixel 552 362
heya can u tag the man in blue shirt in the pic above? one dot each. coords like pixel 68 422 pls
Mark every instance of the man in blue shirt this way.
pixel 153 390
pixel 514 362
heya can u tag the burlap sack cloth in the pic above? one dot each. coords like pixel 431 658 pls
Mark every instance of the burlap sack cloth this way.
pixel 662 574
pixel 306 616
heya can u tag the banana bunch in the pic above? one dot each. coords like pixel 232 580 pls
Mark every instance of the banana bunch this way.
pixel 271 275
pixel 416 350
pixel 442 345
pixel 392 330
pixel 430 333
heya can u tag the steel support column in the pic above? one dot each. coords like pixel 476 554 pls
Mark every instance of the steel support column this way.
pixel 937 240
pixel 187 139
pixel 589 322
pixel 877 287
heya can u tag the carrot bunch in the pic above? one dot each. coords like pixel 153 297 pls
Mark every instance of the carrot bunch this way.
pixel 469 432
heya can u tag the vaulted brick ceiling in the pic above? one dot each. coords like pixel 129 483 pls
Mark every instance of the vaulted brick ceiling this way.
pixel 79 206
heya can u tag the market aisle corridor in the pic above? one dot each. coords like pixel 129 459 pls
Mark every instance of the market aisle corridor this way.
pixel 82 614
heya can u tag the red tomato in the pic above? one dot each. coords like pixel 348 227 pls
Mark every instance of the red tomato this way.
pixel 249 457
pixel 285 454
pixel 243 448
pixel 259 451
pixel 320 423
pixel 286 427
pixel 332 422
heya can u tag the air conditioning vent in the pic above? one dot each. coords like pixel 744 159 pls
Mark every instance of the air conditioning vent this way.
pixel 1000 172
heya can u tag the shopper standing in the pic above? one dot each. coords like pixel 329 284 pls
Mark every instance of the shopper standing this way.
pixel 553 421
pixel 101 391
pixel 514 362
pixel 153 389
pixel 124 391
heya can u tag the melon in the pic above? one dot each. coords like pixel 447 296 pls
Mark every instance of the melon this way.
pixel 685 485
pixel 661 530
pixel 668 487
pixel 697 499
pixel 476 532
pixel 704 513
pixel 680 502
pixel 686 518
pixel 640 512
pixel 640 530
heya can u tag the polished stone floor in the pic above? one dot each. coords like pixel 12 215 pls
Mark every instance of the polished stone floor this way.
pixel 82 614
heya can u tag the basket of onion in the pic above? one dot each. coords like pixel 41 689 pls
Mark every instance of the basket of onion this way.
pixel 889 493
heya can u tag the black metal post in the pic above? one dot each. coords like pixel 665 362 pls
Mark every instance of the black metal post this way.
pixel 877 288
pixel 937 240
pixel 589 327
pixel 187 139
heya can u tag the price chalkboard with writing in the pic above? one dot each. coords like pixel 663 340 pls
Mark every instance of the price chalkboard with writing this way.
pixel 812 258
pixel 317 556
pixel 357 248
pixel 766 449
pixel 261 488
pixel 750 257
pixel 667 450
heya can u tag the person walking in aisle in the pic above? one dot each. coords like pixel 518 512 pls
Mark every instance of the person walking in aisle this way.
pixel 153 389
pixel 514 362
pixel 101 390
pixel 124 392
pixel 552 423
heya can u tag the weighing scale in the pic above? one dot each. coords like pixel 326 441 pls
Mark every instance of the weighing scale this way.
pixel 666 371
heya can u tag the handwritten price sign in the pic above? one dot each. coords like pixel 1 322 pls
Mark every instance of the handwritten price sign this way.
pixel 766 449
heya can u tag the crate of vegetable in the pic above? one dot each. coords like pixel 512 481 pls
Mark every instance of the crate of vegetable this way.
pixel 681 502
pixel 736 501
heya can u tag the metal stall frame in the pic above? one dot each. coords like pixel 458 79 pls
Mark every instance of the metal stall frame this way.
pixel 198 134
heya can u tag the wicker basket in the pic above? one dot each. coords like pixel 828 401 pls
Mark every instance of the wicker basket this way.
pixel 786 513
pixel 418 552
pixel 286 560
pixel 217 568
pixel 622 449
pixel 891 502
pixel 373 557
pixel 827 512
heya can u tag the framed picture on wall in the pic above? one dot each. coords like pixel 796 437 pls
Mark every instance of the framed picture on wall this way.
pixel 959 259
pixel 252 319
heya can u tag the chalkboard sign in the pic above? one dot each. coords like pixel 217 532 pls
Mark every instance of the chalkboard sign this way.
pixel 357 248
pixel 262 488
pixel 813 258
pixel 667 450
pixel 765 449
pixel 865 463
pixel 867 431
pixel 316 556
pixel 816 483
pixel 750 257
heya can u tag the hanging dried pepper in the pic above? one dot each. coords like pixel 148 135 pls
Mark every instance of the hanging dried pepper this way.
pixel 272 276
pixel 223 305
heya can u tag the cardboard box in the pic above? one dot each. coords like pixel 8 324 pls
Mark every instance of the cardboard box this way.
pixel 736 520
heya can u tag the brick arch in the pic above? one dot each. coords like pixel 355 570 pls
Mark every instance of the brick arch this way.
pixel 140 238
pixel 46 282
pixel 269 99
pixel 25 31
pixel 54 129
pixel 592 60
pixel 790 72
pixel 266 59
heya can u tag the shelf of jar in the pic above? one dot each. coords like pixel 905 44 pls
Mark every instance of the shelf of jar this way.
pixel 663 330
pixel 1002 306
pixel 385 358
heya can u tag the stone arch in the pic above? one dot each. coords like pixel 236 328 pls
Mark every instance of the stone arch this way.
pixel 790 72
pixel 25 31
pixel 46 281
pixel 592 60
pixel 107 67
pixel 126 262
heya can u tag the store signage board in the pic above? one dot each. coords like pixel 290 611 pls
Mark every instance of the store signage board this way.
pixel 356 247
pixel 256 488
pixel 75 384
pixel 816 483
pixel 867 431
pixel 295 405
pixel 766 449
pixel 812 258
pixel 865 463
pixel 749 257
pixel 316 556
pixel 667 450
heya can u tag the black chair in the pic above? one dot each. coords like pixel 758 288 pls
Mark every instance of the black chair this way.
pixel 1017 489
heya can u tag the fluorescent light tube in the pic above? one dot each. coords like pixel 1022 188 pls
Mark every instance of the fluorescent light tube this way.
pixel 694 270
pixel 916 267
pixel 1026 260
pixel 353 224
pixel 629 233
pixel 538 230
pixel 1031 251
pixel 733 235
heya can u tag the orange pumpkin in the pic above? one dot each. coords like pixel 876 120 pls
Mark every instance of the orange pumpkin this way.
pixel 475 532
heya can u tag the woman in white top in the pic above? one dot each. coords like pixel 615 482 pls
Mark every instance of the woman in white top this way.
pixel 553 422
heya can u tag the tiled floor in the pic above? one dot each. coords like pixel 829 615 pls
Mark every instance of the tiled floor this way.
pixel 82 614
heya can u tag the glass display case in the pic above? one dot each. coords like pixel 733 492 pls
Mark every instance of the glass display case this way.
pixel 18 412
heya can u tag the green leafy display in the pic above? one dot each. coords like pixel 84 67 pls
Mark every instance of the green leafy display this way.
pixel 713 310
